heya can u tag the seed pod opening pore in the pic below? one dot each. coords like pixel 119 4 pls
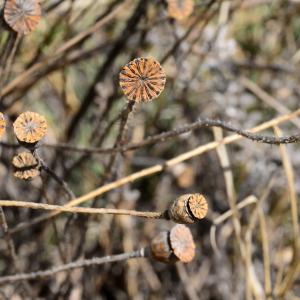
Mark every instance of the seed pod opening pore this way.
pixel 188 208
pixel 142 79
pixel 26 166
pixel 22 16
pixel 180 9
pixel 2 124
pixel 29 128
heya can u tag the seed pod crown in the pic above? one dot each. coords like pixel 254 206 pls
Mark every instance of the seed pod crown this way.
pixel 30 127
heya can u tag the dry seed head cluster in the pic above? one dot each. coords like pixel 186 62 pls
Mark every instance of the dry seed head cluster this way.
pixel 171 246
pixel 180 9
pixel 2 124
pixel 22 16
pixel 30 127
pixel 26 166
pixel 142 79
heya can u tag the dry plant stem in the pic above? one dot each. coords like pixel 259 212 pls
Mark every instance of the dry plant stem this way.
pixel 11 247
pixel 129 29
pixel 73 265
pixel 265 97
pixel 266 255
pixel 62 50
pixel 231 195
pixel 60 181
pixel 201 123
pixel 8 63
pixel 83 210
pixel 189 31
pixel 11 57
pixel 294 269
pixel 124 119
pixel 55 230
pixel 256 288
pixel 158 168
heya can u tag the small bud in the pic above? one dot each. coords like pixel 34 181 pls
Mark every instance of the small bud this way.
pixel 188 208
pixel 2 124
pixel 174 245
pixel 26 166
pixel 22 16
pixel 30 128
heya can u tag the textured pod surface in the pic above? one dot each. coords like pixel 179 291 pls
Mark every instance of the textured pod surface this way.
pixel 142 79
pixel 182 243
pixel 2 124
pixel 160 247
pixel 180 9
pixel 22 16
pixel 179 212
pixel 30 127
pixel 188 208
pixel 197 205
pixel 26 166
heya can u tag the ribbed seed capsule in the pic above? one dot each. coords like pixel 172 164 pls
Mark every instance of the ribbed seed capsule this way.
pixel 26 166
pixel 180 9
pixel 30 127
pixel 174 245
pixel 22 16
pixel 188 208
pixel 2 124
pixel 142 79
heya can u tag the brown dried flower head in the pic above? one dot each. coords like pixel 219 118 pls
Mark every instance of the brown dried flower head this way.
pixel 182 243
pixel 2 124
pixel 171 246
pixel 30 127
pixel 188 208
pixel 180 9
pixel 26 166
pixel 22 16
pixel 142 79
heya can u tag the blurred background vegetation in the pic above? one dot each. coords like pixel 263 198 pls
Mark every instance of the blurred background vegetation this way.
pixel 234 60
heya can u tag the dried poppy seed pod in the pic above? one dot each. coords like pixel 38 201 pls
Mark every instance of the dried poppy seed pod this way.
pixel 180 9
pixel 174 245
pixel 142 79
pixel 188 208
pixel 30 128
pixel 26 166
pixel 22 16
pixel 2 124
pixel 160 247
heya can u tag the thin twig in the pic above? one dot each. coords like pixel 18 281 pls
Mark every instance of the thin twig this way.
pixel 60 181
pixel 73 265
pixel 162 137
pixel 83 210
pixel 294 269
